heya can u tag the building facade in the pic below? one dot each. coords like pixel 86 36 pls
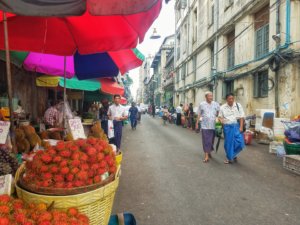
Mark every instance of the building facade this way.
pixel 163 68
pixel 144 78
pixel 247 47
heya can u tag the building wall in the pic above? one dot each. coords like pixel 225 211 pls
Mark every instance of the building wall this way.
pixel 212 40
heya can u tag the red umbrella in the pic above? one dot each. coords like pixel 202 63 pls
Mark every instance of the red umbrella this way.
pixel 109 86
pixel 88 34
pixel 75 7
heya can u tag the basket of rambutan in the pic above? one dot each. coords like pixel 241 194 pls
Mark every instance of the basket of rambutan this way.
pixel 17 212
pixel 81 173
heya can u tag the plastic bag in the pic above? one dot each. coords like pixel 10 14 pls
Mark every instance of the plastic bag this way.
pixel 110 133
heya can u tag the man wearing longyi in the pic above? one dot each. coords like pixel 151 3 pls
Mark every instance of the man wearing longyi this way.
pixel 117 114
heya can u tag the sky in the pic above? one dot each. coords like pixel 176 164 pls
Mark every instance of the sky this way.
pixel 165 25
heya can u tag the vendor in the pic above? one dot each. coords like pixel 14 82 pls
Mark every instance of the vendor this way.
pixel 51 117
pixel 103 115
pixel 20 111
pixel 94 111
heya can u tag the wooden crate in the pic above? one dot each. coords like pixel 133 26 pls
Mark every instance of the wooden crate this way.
pixel 292 163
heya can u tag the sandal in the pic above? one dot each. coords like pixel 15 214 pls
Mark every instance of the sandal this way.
pixel 206 160
pixel 227 162
pixel 235 159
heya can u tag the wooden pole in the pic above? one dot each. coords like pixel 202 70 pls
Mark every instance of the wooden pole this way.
pixel 8 75
pixel 65 92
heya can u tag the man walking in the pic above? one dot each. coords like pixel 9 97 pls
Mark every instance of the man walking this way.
pixel 230 115
pixel 178 112
pixel 103 111
pixel 207 113
pixel 133 114
pixel 116 112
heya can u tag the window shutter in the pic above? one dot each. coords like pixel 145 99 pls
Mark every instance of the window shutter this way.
pixel 224 90
pixel 264 84
pixel 255 86
pixel 266 39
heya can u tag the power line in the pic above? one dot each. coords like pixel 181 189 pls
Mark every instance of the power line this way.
pixel 239 35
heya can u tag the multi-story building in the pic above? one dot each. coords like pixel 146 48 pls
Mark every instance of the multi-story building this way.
pixel 248 47
pixel 144 77
pixel 161 73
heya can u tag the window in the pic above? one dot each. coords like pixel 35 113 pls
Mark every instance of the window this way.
pixel 262 41
pixel 230 49
pixel 178 47
pixel 262 32
pixel 183 71
pixel 212 55
pixel 261 84
pixel 194 64
pixel 195 24
pixel 228 87
pixel 211 11
pixel 185 36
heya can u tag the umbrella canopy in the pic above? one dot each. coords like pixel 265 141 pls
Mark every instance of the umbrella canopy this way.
pixel 107 64
pixel 74 83
pixel 88 34
pixel 123 101
pixel 109 86
pixel 75 7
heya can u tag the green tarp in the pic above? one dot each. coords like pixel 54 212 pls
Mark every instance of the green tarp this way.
pixel 85 85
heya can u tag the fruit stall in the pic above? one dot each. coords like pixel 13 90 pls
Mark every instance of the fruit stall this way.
pixel 58 180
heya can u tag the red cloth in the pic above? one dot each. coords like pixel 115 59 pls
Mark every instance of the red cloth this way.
pixel 110 86
pixel 88 34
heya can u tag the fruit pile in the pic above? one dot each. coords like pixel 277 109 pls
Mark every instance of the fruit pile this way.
pixel 71 164
pixel 16 212
pixel 8 162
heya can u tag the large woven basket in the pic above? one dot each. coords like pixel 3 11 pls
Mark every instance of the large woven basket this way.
pixel 96 204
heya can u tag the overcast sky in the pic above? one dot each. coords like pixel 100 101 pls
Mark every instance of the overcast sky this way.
pixel 165 25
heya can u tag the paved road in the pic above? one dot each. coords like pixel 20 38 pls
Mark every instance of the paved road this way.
pixel 164 182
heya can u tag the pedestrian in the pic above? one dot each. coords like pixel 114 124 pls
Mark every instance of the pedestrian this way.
pixel 230 113
pixel 165 116
pixel 207 113
pixel 51 116
pixel 139 116
pixel 133 115
pixel 153 110
pixel 117 113
pixel 103 115
pixel 178 113
pixel 191 117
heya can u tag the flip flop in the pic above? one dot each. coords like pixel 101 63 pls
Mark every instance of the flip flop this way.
pixel 227 162
pixel 206 160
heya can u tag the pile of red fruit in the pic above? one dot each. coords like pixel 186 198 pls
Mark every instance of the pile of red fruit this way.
pixel 16 212
pixel 71 164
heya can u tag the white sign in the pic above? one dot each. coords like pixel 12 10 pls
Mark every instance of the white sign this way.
pixel 5 184
pixel 76 129
pixel 4 129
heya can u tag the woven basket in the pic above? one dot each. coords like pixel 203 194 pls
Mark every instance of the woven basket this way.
pixel 96 204
pixel 57 191
pixel 119 158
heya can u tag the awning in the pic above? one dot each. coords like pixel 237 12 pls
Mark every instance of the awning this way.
pixel 109 86
pixel 123 101
pixel 74 83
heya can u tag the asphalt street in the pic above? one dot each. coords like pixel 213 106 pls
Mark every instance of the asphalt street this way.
pixel 165 182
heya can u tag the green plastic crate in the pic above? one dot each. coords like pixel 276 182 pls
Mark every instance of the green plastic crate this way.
pixel 291 149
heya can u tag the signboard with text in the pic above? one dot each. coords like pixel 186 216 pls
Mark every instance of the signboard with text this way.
pixel 76 129
pixel 4 129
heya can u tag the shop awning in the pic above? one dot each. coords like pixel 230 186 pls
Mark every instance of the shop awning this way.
pixel 74 83
pixel 109 86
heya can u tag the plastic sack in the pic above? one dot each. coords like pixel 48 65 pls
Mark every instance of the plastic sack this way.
pixel 110 132
pixel 293 134
pixel 122 219
pixel 280 151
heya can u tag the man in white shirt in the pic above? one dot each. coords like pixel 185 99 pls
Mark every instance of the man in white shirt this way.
pixel 117 114
pixel 178 112
pixel 232 117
